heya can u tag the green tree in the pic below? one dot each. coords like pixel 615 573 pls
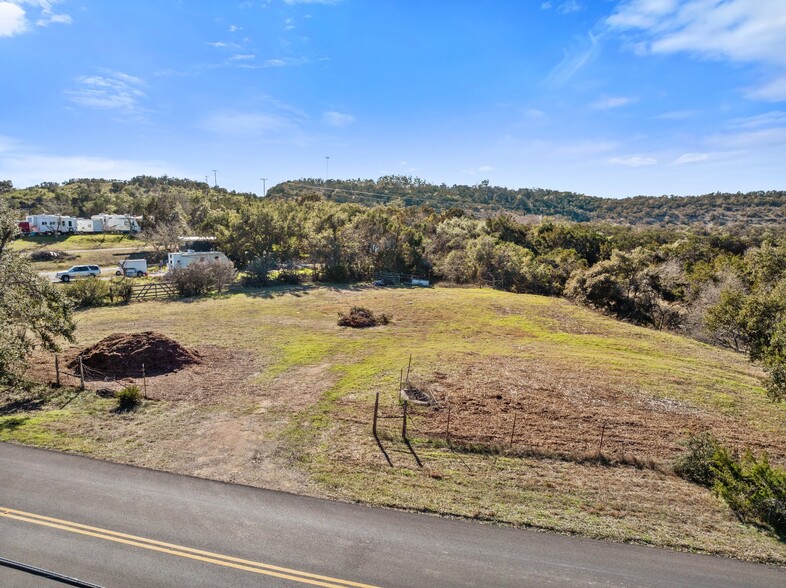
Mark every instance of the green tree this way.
pixel 33 312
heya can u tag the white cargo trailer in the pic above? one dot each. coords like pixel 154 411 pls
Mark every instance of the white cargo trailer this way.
pixel 186 258
pixel 132 268
pixel 51 224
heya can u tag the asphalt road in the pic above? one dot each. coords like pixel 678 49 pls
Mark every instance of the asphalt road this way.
pixel 120 526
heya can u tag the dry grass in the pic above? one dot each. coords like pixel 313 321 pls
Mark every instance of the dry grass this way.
pixel 285 402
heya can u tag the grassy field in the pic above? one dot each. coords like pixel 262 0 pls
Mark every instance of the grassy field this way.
pixel 284 400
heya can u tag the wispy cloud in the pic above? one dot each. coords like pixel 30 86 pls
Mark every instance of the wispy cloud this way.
pixel 273 120
pixel 573 61
pixel 27 165
pixel 337 119
pixel 690 158
pixel 286 61
pixel 742 31
pixel 326 2
pixel 774 118
pixel 242 57
pixel 111 91
pixel 611 102
pixel 633 161
pixel 677 115
pixel 570 7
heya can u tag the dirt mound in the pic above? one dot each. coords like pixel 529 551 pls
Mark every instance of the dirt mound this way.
pixel 122 355
pixel 361 318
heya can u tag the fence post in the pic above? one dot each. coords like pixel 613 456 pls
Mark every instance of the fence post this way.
pixel 513 430
pixel 144 383
pixel 374 430
pixel 57 370
pixel 602 432
pixel 447 429
pixel 81 375
pixel 404 422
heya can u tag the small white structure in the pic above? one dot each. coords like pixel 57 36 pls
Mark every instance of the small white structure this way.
pixel 89 225
pixel 51 224
pixel 186 258
pixel 117 223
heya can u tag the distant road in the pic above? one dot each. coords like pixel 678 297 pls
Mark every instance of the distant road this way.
pixel 119 526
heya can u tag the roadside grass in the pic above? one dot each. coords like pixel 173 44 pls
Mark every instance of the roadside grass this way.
pixel 306 427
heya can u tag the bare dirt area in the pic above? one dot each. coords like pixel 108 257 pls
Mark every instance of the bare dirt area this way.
pixel 220 374
pixel 566 413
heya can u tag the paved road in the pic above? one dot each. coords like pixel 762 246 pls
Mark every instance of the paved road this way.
pixel 120 526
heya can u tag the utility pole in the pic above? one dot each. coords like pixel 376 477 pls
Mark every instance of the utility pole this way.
pixel 264 187
pixel 215 178
pixel 327 167
pixel 207 180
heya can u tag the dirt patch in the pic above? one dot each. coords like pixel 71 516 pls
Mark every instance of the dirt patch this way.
pixel 221 374
pixel 361 318
pixel 133 355
pixel 561 412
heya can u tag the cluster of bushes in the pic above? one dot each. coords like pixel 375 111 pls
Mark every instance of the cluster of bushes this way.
pixel 752 487
pixel 94 292
pixel 198 279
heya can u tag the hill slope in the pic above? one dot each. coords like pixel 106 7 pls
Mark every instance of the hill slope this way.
pixel 717 209
pixel 284 399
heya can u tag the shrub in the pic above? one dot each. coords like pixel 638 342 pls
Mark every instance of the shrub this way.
pixel 360 318
pixel 87 293
pixel 257 272
pixel 193 280
pixel 289 277
pixel 223 274
pixel 752 488
pixel 121 290
pixel 128 398
pixel 696 464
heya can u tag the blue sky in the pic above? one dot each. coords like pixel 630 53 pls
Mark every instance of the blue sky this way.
pixel 605 97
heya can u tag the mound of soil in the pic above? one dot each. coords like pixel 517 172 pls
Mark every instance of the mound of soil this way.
pixel 122 355
pixel 361 318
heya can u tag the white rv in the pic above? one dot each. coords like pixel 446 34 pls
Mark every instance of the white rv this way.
pixel 51 224
pixel 117 223
pixel 186 258
pixel 89 225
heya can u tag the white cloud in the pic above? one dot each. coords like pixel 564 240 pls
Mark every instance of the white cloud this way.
pixel 485 168
pixel 326 2
pixel 234 28
pixel 242 57
pixel 635 161
pixel 29 167
pixel 545 6
pixel 111 91
pixel 286 62
pixel 774 118
pixel 573 61
pixel 772 91
pixel 611 102
pixel 12 20
pixel 690 158
pixel 337 119
pixel 742 31
pixel 677 115
pixel 569 7
pixel 535 113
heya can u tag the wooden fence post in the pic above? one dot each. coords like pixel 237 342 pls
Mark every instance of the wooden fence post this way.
pixel 57 370
pixel 144 383
pixel 513 430
pixel 81 375
pixel 602 432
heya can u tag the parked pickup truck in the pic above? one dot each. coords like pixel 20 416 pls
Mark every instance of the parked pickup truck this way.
pixel 79 271
pixel 132 268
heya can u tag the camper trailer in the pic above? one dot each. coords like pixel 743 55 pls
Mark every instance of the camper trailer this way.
pixel 186 258
pixel 89 225
pixel 51 224
pixel 117 223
